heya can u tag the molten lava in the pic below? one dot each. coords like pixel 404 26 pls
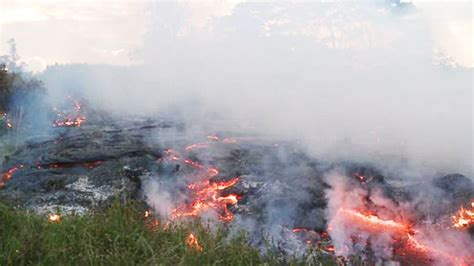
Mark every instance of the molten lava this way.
pixel 74 119
pixel 401 233
pixel 464 218
pixel 372 223
pixel 193 242
pixel 207 196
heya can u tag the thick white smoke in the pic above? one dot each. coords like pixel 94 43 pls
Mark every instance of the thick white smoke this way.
pixel 352 81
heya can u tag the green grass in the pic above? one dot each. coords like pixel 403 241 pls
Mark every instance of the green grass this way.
pixel 118 236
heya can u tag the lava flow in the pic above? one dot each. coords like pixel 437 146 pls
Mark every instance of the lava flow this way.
pixel 401 233
pixel 9 174
pixel 205 195
pixel 464 218
pixel 75 119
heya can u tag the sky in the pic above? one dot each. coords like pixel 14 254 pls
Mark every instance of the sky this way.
pixel 112 32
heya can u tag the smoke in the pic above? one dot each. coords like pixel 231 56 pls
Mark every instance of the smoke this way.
pixel 354 82
pixel 349 80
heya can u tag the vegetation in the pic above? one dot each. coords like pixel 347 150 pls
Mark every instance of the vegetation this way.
pixel 119 235
pixel 14 82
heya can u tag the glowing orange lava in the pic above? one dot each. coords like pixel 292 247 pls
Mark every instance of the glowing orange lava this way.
pixel 9 174
pixel 401 232
pixel 75 119
pixel 204 195
pixel 207 196
pixel 464 218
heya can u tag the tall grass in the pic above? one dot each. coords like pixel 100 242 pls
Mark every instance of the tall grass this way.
pixel 117 236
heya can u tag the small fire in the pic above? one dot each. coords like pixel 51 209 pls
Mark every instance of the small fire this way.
pixel 75 119
pixel 54 218
pixel 464 218
pixel 193 242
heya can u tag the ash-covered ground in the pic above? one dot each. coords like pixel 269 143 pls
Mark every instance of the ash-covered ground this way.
pixel 283 196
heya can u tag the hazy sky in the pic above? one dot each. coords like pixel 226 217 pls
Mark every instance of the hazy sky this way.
pixel 111 32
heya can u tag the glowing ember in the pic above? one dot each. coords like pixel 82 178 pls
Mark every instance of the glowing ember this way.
pixel 464 218
pixel 196 146
pixel 193 243
pixel 92 165
pixel 54 218
pixel 9 174
pixel 171 154
pixel 75 119
pixel 147 214
pixel 7 121
pixel 193 164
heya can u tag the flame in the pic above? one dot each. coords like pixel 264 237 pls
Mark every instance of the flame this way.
pixel 193 242
pixel 75 119
pixel 464 218
pixel 54 218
